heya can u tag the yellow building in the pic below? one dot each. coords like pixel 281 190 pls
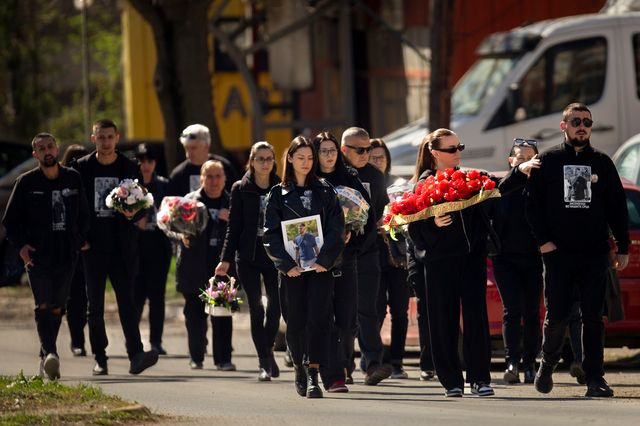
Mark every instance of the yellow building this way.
pixel 231 101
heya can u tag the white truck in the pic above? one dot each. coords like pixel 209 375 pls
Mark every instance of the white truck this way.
pixel 525 77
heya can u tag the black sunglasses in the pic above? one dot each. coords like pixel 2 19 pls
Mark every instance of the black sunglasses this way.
pixel 360 150
pixel 521 142
pixel 575 122
pixel 451 150
pixel 190 136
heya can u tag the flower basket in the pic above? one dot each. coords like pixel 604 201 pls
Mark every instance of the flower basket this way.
pixel 444 192
pixel 217 311
pixel 221 296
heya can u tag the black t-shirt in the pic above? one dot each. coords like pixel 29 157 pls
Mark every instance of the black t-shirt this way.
pixel 263 205
pixel 98 181
pixel 185 177
pixel 374 182
pixel 216 228
pixel 306 195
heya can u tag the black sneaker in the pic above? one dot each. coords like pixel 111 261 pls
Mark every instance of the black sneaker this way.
pixel 426 375
pixel 511 374
pixel 529 374
pixel 300 380
pixel 453 393
pixel 158 348
pixel 544 380
pixel 377 373
pixel 482 389
pixel 142 360
pixel 599 388
pixel 575 370
pixel 194 365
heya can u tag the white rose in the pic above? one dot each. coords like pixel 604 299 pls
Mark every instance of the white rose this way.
pixel 131 200
pixel 149 199
pixel 109 201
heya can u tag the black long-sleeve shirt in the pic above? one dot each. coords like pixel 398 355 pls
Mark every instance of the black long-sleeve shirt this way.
pixel 185 177
pixel 574 198
pixel 51 215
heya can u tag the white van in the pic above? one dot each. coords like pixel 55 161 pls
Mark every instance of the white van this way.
pixel 525 77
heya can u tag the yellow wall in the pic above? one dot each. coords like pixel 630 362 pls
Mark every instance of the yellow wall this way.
pixel 231 97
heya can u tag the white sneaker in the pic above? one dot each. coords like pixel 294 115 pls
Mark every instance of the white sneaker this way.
pixel 51 366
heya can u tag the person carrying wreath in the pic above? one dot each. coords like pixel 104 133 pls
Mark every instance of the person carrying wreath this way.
pixel 452 248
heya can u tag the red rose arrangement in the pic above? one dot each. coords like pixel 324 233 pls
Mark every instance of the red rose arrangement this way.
pixel 444 192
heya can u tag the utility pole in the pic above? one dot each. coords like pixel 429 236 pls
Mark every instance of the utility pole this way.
pixel 441 40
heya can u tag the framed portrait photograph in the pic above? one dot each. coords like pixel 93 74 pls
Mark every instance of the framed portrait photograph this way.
pixel 303 239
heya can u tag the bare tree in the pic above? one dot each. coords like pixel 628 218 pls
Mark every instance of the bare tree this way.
pixel 441 36
pixel 182 78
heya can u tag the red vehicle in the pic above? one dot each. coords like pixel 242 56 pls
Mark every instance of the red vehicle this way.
pixel 621 333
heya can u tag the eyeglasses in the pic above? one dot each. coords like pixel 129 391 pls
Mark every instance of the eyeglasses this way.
pixel 522 142
pixel 360 150
pixel 328 152
pixel 190 136
pixel 450 150
pixel 262 160
pixel 575 122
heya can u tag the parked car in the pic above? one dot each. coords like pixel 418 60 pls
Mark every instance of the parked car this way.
pixel 627 159
pixel 621 333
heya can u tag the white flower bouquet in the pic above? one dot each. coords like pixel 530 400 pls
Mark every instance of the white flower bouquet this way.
pixel 129 197
pixel 354 207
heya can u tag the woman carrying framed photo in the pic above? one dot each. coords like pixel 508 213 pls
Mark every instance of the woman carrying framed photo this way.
pixel 306 291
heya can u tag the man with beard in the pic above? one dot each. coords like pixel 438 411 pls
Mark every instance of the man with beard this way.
pixel 572 234
pixel 47 219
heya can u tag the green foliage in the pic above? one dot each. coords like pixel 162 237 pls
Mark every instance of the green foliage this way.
pixel 33 400
pixel 41 67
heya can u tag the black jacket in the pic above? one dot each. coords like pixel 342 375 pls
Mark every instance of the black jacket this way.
pixel 240 241
pixel 374 180
pixel 466 234
pixel 185 177
pixel 30 217
pixel 509 217
pixel 574 198
pixel 196 264
pixel 283 203
pixel 350 179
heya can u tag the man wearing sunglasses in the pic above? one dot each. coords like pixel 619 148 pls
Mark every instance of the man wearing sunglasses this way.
pixel 572 229
pixel 185 177
pixel 356 147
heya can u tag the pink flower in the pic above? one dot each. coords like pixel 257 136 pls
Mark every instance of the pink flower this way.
pixel 122 192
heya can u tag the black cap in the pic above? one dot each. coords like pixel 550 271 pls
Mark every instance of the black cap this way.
pixel 145 150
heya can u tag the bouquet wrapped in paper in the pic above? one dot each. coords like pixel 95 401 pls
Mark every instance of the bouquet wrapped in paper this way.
pixel 354 207
pixel 444 192
pixel 221 293
pixel 182 215
pixel 129 197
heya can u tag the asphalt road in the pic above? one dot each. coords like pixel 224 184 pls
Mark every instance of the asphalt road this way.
pixel 237 398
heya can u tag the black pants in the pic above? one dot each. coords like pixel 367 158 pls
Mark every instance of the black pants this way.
pixel 394 292
pixel 50 288
pixel 368 267
pixel 196 322
pixel 264 325
pixel 424 335
pixel 151 281
pixel 97 265
pixel 77 307
pixel 575 331
pixel 345 295
pixel 565 272
pixel 519 280
pixel 308 300
pixel 451 282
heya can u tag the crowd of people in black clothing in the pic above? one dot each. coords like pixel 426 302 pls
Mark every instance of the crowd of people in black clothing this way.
pixel 70 242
